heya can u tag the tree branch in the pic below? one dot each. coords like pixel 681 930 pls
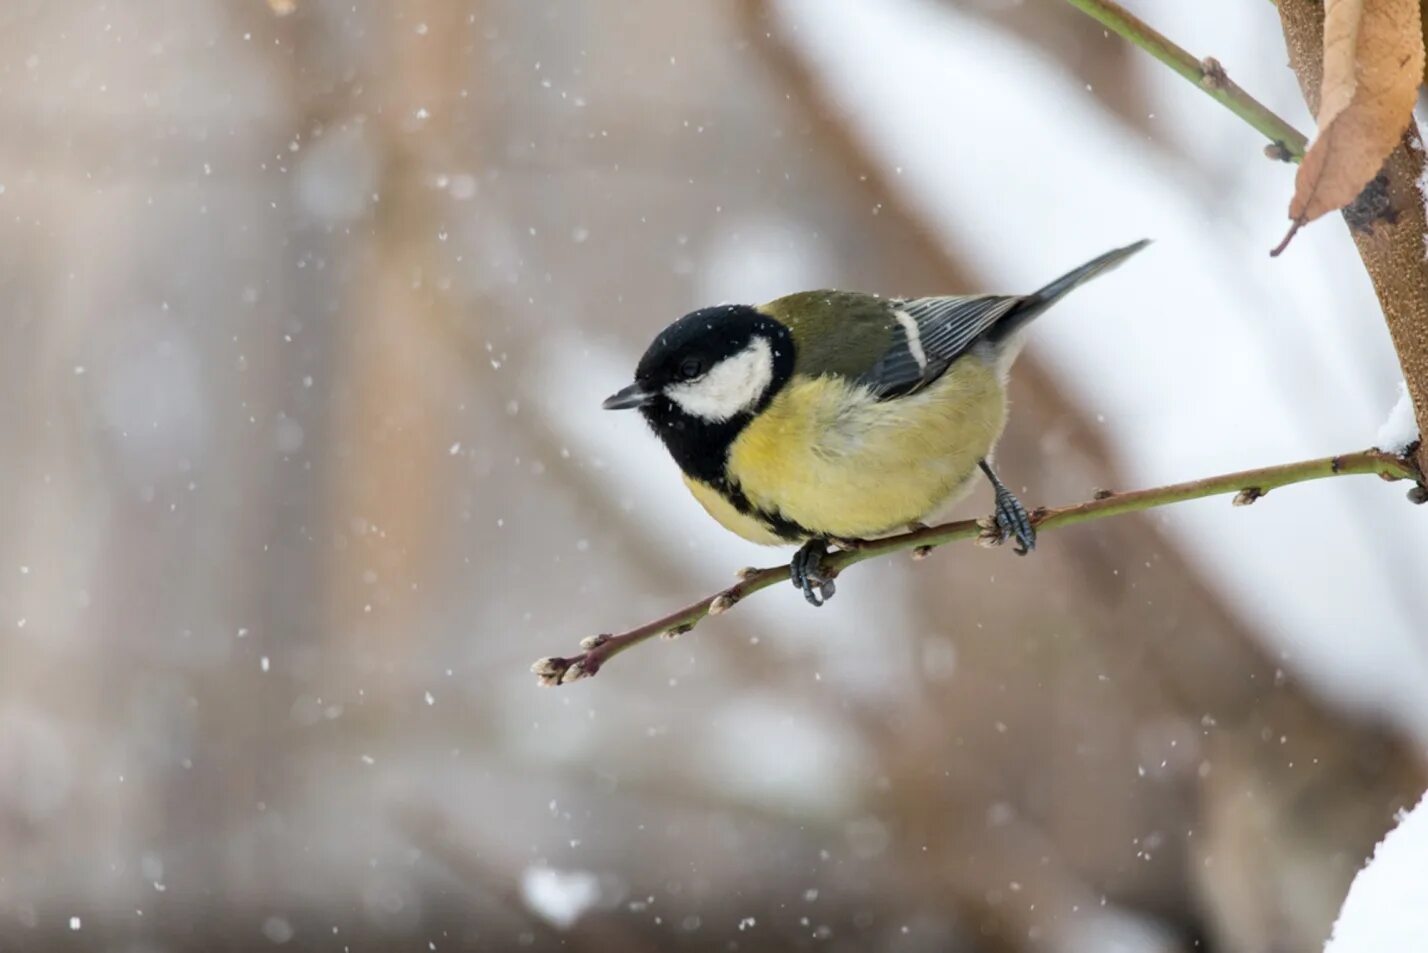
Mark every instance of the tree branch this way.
pixel 1286 142
pixel 1392 245
pixel 1248 485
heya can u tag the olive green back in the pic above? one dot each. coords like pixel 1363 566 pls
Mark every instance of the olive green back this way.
pixel 837 332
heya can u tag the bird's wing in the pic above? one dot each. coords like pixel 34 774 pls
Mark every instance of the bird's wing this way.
pixel 892 346
pixel 927 335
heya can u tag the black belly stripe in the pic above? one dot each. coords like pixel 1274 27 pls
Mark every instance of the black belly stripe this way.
pixel 777 523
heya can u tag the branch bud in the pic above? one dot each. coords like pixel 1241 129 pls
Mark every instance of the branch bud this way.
pixel 1213 75
pixel 1247 496
pixel 722 603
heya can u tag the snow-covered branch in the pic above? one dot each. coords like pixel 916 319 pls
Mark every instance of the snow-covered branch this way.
pixel 1386 910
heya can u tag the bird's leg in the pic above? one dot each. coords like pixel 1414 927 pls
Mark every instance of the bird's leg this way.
pixel 1012 519
pixel 806 571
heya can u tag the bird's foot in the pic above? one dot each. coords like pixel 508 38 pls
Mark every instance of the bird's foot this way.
pixel 1013 521
pixel 807 572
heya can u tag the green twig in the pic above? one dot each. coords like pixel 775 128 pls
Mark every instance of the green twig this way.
pixel 1248 485
pixel 1286 142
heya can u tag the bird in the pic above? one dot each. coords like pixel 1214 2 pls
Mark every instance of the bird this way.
pixel 830 417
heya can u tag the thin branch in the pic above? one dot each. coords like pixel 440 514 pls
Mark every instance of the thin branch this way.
pixel 1248 485
pixel 1286 142
pixel 1392 246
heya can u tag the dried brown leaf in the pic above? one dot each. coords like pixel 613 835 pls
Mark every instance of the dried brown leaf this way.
pixel 1373 63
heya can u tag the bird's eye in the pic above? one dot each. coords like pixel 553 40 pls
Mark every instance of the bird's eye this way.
pixel 690 368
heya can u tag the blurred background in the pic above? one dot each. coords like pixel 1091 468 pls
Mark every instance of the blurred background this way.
pixel 306 311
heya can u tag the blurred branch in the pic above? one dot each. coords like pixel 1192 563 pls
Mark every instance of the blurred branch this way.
pixel 1286 142
pixel 1248 485
pixel 430 829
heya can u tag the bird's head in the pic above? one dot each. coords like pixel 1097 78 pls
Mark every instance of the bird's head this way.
pixel 711 368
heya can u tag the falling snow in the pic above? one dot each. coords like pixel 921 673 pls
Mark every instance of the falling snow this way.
pixel 560 897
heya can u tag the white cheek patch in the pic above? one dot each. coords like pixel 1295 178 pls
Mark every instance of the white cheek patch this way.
pixel 734 384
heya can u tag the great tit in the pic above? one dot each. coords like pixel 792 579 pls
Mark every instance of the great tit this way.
pixel 835 416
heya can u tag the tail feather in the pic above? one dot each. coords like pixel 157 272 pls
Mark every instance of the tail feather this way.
pixel 1038 301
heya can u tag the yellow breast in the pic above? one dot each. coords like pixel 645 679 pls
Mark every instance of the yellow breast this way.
pixel 828 456
pixel 729 516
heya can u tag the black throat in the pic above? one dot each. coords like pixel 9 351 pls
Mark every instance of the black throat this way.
pixel 699 447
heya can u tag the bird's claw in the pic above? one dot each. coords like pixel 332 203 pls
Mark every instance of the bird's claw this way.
pixel 807 573
pixel 1012 521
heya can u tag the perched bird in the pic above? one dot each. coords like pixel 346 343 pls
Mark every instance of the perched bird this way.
pixel 829 416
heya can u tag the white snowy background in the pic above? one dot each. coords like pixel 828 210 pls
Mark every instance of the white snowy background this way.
pixel 304 326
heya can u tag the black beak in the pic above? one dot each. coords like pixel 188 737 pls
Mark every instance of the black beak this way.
pixel 625 398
